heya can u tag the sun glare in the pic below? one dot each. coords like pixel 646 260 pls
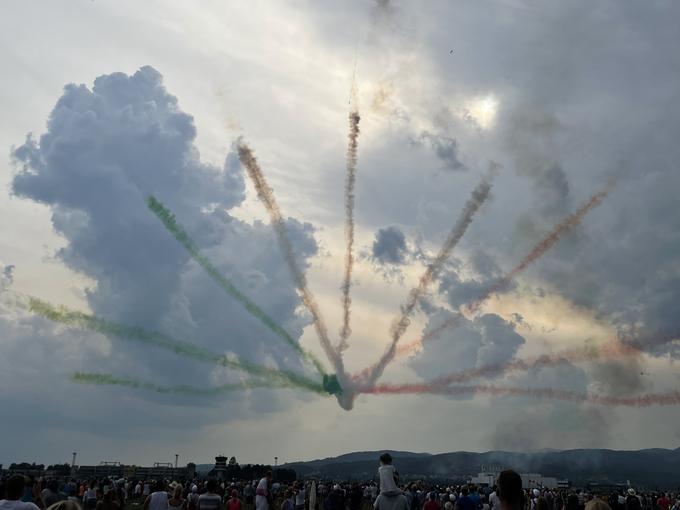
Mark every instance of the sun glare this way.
pixel 483 111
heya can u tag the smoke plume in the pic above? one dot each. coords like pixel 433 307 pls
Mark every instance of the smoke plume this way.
pixel 130 382
pixel 544 244
pixel 479 196
pixel 68 317
pixel 168 220
pixel 266 196
pixel 536 252
pixel 346 331
pixel 670 398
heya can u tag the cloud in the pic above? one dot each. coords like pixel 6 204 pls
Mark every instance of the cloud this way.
pixel 389 246
pixel 444 147
pixel 487 339
pixel 104 152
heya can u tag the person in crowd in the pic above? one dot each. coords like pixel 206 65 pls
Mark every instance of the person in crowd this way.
pixel 431 503
pixel 109 501
pixel 632 500
pixel 234 503
pixel 393 501
pixel 312 496
pixel 158 499
pixel 192 498
pixel 14 490
pixel 263 492
pixel 465 502
pixel 68 504
pixel 494 500
pixel 335 499
pixel 51 494
pixel 300 497
pixel 249 494
pixel 597 504
pixel 210 500
pixel 90 496
pixel 510 491
pixel 663 503
pixel 288 503
pixel 177 502
pixel 475 497
pixel 388 476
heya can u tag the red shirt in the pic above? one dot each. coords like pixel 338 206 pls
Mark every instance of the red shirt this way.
pixel 663 503
pixel 431 505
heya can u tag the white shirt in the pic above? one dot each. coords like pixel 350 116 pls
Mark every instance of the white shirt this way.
pixel 158 501
pixel 495 501
pixel 387 483
pixel 11 504
pixel 300 498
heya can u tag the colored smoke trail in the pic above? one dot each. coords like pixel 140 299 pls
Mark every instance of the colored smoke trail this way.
pixel 350 181
pixel 479 196
pixel 536 252
pixel 65 316
pixel 606 351
pixel 670 398
pixel 544 245
pixel 226 285
pixel 266 196
pixel 182 389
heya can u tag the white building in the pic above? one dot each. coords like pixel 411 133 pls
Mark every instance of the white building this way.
pixel 529 480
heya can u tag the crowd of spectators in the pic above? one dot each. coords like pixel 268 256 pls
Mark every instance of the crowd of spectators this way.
pixel 23 493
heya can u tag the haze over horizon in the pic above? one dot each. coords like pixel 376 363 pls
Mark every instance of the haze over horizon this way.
pixel 538 140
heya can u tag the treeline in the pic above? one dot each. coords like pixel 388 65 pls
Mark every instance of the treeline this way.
pixel 256 471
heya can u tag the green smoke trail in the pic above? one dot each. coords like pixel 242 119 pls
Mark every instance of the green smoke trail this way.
pixel 183 238
pixel 182 389
pixel 82 320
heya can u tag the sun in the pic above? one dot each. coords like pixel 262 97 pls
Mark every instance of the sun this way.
pixel 483 110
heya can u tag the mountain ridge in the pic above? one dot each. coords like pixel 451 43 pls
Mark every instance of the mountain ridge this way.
pixel 651 467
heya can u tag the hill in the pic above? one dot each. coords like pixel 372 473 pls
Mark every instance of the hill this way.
pixel 652 468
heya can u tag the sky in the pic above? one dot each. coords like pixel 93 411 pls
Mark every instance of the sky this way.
pixel 514 112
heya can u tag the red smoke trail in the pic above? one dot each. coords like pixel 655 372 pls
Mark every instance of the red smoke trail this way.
pixel 536 252
pixel 588 353
pixel 479 195
pixel 670 398
pixel 266 196
pixel 544 245
pixel 352 145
